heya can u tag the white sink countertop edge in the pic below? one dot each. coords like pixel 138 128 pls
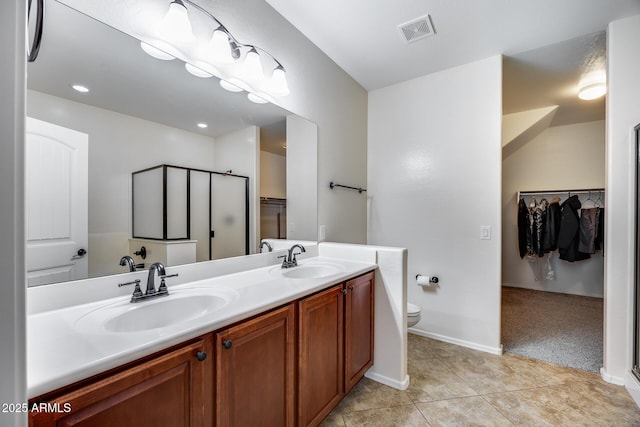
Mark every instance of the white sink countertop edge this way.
pixel 59 353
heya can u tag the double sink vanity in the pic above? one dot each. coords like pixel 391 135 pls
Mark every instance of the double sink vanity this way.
pixel 265 346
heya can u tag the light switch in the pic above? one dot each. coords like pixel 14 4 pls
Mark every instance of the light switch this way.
pixel 485 232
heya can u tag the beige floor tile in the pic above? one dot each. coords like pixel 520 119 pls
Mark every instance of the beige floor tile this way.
pixel 469 411
pixel 545 406
pixel 434 380
pixel 397 416
pixel 368 394
pixel 607 403
pixel 333 420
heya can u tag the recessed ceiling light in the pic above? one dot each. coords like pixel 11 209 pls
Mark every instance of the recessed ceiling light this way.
pixel 202 125
pixel 80 88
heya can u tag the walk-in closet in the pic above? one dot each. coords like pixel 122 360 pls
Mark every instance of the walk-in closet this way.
pixel 553 210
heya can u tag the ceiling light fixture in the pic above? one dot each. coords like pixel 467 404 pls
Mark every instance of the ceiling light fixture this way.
pixel 593 90
pixel 202 125
pixel 80 88
pixel 256 99
pixel 216 52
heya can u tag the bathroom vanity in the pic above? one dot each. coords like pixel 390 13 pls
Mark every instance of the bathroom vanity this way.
pixel 282 348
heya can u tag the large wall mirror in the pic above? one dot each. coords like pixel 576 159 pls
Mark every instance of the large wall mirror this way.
pixel 141 112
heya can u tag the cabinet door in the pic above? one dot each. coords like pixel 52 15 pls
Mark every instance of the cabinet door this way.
pixel 170 390
pixel 320 355
pixel 255 364
pixel 358 328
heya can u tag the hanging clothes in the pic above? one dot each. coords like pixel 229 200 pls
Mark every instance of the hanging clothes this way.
pixel 552 226
pixel 588 230
pixel 537 225
pixel 599 240
pixel 569 236
pixel 523 227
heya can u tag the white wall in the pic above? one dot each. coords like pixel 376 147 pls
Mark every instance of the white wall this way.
pixel 302 168
pixel 434 179
pixel 561 157
pixel 118 145
pixel 12 282
pixel 273 175
pixel 623 113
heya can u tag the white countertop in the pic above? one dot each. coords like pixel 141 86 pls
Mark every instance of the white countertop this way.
pixel 63 348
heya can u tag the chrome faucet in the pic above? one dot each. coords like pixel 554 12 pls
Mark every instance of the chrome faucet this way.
pixel 265 243
pixel 127 260
pixel 159 267
pixel 290 259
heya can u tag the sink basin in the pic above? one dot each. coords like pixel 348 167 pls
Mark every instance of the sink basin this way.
pixel 309 271
pixel 178 307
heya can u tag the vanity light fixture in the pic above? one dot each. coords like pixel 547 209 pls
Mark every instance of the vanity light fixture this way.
pixel 155 52
pixel 215 52
pixel 256 99
pixel 175 26
pixel 198 72
pixel 593 90
pixel 80 88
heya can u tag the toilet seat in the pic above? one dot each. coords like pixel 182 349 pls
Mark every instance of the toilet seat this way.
pixel 413 310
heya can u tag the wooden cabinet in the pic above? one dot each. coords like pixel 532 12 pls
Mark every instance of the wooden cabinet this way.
pixel 335 346
pixel 320 355
pixel 281 368
pixel 255 371
pixel 358 335
pixel 173 389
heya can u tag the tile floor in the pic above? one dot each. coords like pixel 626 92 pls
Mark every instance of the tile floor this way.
pixel 457 386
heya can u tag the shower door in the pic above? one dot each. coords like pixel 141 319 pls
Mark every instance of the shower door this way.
pixel 636 329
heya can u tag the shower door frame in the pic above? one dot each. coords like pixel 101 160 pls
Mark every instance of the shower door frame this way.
pixel 636 315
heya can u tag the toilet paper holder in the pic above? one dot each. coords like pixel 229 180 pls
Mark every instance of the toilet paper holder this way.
pixel 426 280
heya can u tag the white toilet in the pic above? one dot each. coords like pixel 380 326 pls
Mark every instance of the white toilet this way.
pixel 413 314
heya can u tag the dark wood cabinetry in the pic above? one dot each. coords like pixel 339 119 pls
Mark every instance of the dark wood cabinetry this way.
pixel 172 389
pixel 335 346
pixel 255 371
pixel 290 366
pixel 320 355
pixel 358 335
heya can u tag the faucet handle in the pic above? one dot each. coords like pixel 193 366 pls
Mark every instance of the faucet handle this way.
pixel 137 292
pixel 136 282
pixel 166 276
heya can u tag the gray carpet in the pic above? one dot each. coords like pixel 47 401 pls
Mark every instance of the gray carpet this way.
pixel 557 328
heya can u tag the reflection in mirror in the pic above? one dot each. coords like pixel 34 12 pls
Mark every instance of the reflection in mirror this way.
pixel 141 112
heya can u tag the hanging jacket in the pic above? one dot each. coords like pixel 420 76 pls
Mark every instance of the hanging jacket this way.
pixel 523 227
pixel 537 223
pixel 569 236
pixel 552 228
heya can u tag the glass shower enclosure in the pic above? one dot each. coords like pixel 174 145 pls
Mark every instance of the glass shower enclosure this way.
pixel 172 203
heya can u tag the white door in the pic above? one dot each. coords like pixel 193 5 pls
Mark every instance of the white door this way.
pixel 56 203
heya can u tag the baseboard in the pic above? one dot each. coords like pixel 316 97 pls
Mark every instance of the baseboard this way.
pixel 610 378
pixel 468 344
pixel 400 385
pixel 633 387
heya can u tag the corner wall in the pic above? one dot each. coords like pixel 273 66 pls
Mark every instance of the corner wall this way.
pixel 435 178
pixel 623 113
pixel 13 377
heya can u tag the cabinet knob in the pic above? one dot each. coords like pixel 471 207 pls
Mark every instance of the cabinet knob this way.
pixel 227 344
pixel 201 355
pixel 350 287
pixel 344 292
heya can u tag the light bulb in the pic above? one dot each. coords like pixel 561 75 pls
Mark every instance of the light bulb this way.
pixel 252 67
pixel 278 83
pixel 155 52
pixel 219 48
pixel 175 25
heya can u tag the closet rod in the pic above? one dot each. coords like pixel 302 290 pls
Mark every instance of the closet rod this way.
pixel 580 191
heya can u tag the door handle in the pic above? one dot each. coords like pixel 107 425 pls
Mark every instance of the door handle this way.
pixel 81 253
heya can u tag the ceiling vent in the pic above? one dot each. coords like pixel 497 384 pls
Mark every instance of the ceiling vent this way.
pixel 416 29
